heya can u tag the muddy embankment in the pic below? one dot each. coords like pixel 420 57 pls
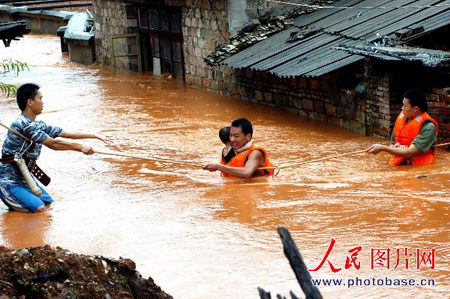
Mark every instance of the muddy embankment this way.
pixel 45 272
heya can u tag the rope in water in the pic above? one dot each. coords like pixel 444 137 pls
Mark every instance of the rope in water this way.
pixel 327 158
pixel 200 164
pixel 186 163
pixel 128 155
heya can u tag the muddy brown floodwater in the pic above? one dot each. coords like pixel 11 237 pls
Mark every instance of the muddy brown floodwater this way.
pixel 199 235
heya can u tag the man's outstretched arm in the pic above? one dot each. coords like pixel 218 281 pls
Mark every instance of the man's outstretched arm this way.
pixel 62 145
pixel 405 152
pixel 255 160
pixel 423 142
pixel 80 135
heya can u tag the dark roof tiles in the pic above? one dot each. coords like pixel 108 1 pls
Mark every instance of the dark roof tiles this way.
pixel 316 54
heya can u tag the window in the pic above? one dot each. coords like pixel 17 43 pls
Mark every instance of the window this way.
pixel 162 40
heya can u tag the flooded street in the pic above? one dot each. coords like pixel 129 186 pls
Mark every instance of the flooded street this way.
pixel 202 236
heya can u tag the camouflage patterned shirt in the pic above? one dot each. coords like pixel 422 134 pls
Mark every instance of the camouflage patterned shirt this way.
pixel 38 131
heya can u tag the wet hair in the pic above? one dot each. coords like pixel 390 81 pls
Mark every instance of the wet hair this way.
pixel 24 93
pixel 417 98
pixel 244 124
pixel 224 134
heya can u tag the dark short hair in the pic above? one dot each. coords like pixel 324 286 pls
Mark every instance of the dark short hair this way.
pixel 417 98
pixel 244 124
pixel 224 134
pixel 24 93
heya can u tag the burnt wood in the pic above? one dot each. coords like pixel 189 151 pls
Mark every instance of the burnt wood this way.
pixel 298 265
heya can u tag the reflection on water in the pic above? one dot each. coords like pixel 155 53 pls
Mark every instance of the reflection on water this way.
pixel 197 234
pixel 20 230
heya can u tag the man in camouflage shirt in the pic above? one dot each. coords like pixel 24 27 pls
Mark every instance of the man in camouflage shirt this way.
pixel 14 191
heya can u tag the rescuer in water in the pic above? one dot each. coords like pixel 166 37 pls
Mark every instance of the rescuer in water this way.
pixel 228 152
pixel 244 164
pixel 414 135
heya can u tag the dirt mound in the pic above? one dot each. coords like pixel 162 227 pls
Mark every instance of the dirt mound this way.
pixel 45 272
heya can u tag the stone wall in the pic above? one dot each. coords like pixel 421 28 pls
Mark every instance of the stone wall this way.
pixel 112 17
pixel 204 28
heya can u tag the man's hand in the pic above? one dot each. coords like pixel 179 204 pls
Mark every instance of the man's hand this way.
pixel 102 138
pixel 376 148
pixel 87 150
pixel 398 145
pixel 244 148
pixel 211 167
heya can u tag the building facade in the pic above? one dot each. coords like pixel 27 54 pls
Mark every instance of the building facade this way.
pixel 176 36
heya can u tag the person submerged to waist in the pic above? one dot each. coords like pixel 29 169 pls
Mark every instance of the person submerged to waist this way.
pixel 246 162
pixel 240 160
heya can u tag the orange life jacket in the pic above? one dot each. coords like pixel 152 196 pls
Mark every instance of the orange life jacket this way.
pixel 406 132
pixel 240 159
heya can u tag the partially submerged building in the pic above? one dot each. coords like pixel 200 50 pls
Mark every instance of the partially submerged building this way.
pixel 40 16
pixel 342 62
pixel 10 31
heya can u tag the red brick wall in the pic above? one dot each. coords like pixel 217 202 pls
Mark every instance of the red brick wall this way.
pixel 386 82
pixel 331 98
pixel 439 109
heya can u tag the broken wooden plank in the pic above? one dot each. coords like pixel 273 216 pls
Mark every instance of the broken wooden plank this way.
pixel 298 265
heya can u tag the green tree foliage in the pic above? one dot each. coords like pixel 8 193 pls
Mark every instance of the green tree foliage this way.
pixel 8 66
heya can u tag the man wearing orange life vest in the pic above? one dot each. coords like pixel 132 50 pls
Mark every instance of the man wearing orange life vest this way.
pixel 415 133
pixel 244 164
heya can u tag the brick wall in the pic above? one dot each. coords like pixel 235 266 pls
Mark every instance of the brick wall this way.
pixel 331 98
pixel 380 107
pixel 439 109
pixel 387 82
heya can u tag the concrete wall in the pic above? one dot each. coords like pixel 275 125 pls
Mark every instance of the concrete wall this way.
pixel 5 17
pixel 237 15
pixel 36 22
pixel 42 24
pixel 81 51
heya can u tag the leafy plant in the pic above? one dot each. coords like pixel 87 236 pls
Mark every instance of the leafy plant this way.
pixel 11 66
pixel 8 89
